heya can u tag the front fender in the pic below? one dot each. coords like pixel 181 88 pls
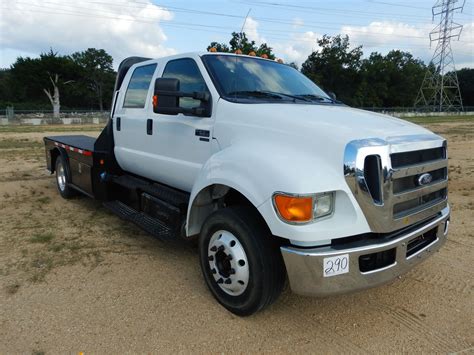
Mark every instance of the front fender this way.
pixel 257 170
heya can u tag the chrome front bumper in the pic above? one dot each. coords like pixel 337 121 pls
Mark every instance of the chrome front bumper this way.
pixel 305 266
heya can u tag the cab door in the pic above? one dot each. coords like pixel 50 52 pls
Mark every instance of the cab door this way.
pixel 132 148
pixel 183 142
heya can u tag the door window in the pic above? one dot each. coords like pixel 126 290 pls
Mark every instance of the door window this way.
pixel 137 91
pixel 190 79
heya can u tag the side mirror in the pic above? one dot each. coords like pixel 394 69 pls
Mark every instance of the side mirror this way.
pixel 166 99
pixel 332 95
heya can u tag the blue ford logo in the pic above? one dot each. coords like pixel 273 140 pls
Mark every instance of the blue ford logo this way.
pixel 425 179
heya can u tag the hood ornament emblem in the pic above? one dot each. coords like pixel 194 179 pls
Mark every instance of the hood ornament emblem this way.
pixel 424 179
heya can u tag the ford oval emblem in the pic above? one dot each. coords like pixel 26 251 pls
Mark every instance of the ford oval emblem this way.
pixel 425 179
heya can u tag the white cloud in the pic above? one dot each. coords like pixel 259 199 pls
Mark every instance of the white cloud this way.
pixel 297 22
pixel 298 48
pixel 251 30
pixel 385 36
pixel 380 36
pixel 122 29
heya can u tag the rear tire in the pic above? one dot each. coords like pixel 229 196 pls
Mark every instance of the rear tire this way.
pixel 63 178
pixel 241 261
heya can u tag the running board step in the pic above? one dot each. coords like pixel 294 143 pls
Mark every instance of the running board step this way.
pixel 147 223
pixel 172 196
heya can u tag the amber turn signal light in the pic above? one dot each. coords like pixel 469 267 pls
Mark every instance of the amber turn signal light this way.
pixel 297 209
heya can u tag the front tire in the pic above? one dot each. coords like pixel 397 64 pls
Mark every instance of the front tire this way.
pixel 240 260
pixel 63 178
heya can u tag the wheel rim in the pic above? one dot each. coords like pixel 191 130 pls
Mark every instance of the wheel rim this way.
pixel 61 177
pixel 228 262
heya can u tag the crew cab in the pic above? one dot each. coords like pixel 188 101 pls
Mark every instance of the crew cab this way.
pixel 272 177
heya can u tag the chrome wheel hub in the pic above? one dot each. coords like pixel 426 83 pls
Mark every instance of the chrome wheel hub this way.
pixel 61 177
pixel 228 262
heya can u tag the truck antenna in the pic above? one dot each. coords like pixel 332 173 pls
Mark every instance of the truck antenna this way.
pixel 243 25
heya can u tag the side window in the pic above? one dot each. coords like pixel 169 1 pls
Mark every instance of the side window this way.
pixel 137 91
pixel 190 79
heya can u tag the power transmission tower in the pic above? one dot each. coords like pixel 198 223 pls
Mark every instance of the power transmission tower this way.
pixel 440 88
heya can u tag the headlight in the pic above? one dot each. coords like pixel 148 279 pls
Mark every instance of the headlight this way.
pixel 303 208
pixel 323 205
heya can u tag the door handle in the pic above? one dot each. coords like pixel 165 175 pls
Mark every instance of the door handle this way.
pixel 149 126
pixel 118 123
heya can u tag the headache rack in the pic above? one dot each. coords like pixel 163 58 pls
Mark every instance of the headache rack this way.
pixel 398 181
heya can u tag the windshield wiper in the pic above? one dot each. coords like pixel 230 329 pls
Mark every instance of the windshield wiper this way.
pixel 266 94
pixel 316 97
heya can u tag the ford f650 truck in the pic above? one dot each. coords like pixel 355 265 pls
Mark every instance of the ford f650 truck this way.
pixel 273 177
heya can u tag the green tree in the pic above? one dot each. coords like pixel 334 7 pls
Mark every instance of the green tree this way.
pixel 466 85
pixel 97 73
pixel 239 41
pixel 335 67
pixel 391 80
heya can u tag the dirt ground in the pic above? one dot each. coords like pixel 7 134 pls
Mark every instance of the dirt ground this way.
pixel 75 278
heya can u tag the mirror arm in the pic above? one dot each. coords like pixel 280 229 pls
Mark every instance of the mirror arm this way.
pixel 196 111
pixel 202 96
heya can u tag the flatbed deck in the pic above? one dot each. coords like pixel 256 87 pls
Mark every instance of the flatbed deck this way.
pixel 80 142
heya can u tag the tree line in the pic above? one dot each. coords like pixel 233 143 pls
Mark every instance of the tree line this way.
pixel 82 80
pixel 85 80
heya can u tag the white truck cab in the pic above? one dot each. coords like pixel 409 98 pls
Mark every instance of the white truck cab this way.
pixel 278 180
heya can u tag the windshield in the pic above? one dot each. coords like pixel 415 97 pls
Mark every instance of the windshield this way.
pixel 243 78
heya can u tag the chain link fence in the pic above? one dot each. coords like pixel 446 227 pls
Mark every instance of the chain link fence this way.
pixel 10 116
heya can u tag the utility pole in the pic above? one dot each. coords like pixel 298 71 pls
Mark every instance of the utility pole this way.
pixel 440 88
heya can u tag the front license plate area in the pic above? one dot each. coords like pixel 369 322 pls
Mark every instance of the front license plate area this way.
pixel 336 265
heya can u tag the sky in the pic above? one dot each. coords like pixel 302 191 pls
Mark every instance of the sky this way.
pixel 155 28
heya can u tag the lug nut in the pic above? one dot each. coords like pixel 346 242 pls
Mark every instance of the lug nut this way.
pixel 214 248
pixel 228 281
pixel 211 258
pixel 220 281
pixel 221 248
pixel 214 271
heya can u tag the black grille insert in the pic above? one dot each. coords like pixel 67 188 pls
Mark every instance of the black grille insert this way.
pixel 374 261
pixel 417 157
pixel 418 243
pixel 372 170
pixel 411 182
pixel 403 209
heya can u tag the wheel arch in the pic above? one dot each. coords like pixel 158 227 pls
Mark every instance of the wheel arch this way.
pixel 213 197
pixel 54 154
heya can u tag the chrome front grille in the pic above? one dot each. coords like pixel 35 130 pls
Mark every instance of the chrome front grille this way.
pixel 398 181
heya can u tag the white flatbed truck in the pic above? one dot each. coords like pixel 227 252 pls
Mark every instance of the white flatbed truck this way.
pixel 273 177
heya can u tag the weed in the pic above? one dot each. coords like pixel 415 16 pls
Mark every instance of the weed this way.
pixel 12 288
pixel 44 200
pixel 42 238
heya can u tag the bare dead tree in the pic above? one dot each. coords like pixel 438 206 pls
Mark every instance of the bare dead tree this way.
pixel 54 97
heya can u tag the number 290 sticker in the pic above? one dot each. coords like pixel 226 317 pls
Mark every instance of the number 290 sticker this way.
pixel 336 265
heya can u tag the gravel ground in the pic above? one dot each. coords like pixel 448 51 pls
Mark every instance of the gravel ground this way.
pixel 74 277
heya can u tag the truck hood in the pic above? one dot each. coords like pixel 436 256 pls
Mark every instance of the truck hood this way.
pixel 319 122
pixel 300 146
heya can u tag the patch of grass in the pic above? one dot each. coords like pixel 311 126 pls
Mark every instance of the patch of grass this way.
pixel 38 352
pixel 9 143
pixel 42 238
pixel 440 119
pixel 44 200
pixel 12 288
pixel 50 128
pixel 56 248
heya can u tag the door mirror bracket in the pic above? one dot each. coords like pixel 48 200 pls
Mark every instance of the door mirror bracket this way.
pixel 166 96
